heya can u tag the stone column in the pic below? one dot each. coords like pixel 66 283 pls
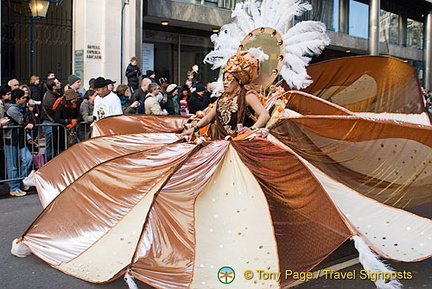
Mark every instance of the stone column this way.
pixel 139 25
pixel 428 52
pixel 97 38
pixel 343 16
pixel 403 30
pixel 374 17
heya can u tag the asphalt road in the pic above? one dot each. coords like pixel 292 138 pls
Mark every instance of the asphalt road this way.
pixel 17 213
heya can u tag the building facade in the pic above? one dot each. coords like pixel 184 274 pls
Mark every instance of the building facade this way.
pixel 402 31
pixel 169 36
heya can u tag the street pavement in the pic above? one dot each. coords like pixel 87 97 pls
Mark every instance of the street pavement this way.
pixel 17 213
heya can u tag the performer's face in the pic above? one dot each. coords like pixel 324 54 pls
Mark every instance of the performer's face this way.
pixel 230 83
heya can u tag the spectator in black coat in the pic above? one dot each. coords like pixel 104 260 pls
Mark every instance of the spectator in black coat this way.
pixel 150 74
pixel 68 114
pixel 34 88
pixel 199 99
pixel 133 73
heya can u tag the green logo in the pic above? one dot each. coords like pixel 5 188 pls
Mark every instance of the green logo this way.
pixel 226 275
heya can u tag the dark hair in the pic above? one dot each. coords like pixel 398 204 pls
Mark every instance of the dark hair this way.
pixel 89 93
pixel 5 89
pixel 50 83
pixel 16 94
pixel 163 79
pixel 91 82
pixel 185 87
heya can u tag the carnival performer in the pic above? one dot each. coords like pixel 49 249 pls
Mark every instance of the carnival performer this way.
pixel 233 112
pixel 184 214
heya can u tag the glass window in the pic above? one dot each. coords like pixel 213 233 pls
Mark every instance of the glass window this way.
pixel 193 52
pixel 336 17
pixel 170 63
pixel 324 11
pixel 414 34
pixel 358 19
pixel 227 4
pixel 389 27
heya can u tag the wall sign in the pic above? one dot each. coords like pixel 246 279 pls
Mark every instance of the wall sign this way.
pixel 93 52
pixel 147 57
pixel 79 63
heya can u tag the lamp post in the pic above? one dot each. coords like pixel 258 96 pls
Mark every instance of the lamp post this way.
pixel 124 3
pixel 39 8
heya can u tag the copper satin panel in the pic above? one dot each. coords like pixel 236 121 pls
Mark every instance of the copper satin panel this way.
pixel 126 124
pixel 77 160
pixel 87 209
pixel 397 86
pixel 103 181
pixel 308 104
pixel 170 233
pixel 399 152
pixel 308 226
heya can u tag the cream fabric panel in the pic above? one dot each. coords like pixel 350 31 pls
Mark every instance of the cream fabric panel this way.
pixel 233 228
pixel 114 250
pixel 421 118
pixel 391 232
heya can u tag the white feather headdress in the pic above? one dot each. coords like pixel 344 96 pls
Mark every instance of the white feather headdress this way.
pixel 302 41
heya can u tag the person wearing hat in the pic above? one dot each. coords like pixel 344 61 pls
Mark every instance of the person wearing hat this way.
pixel 110 84
pixel 67 114
pixel 184 92
pixel 106 102
pixel 74 82
pixel 91 83
pixel 199 99
pixel 173 100
pixel 150 74
pixel 238 103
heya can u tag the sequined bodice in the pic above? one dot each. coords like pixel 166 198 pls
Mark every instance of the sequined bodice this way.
pixel 227 114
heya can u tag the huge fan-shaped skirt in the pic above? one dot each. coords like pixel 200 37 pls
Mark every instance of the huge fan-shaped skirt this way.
pixel 172 213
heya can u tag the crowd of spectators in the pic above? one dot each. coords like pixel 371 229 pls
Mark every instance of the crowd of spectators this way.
pixel 55 115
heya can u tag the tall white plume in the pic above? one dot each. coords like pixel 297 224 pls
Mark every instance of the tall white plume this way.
pixel 371 263
pixel 130 281
pixel 302 41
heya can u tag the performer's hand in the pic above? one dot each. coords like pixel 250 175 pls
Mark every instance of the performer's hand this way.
pixel 244 130
pixel 262 132
pixel 250 134
pixel 187 133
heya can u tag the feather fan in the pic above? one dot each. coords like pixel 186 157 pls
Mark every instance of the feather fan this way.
pixel 302 41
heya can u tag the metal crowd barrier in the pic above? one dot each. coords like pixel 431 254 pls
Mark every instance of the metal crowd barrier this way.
pixel 36 142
